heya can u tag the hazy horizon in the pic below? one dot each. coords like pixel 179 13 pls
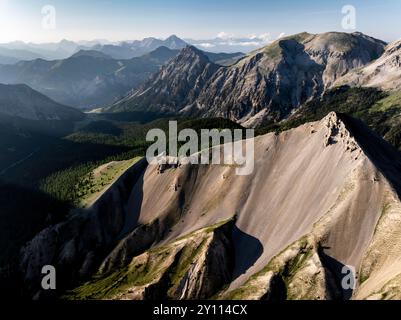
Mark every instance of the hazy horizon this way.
pixel 126 20
pixel 105 40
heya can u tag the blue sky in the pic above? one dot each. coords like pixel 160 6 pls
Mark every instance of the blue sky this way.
pixel 135 19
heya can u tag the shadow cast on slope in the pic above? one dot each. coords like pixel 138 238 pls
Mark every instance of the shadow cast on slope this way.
pixel 382 154
pixel 335 276
pixel 133 209
pixel 23 213
pixel 248 250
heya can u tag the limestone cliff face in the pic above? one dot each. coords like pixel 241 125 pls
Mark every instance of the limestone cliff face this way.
pixel 322 196
pixel 383 73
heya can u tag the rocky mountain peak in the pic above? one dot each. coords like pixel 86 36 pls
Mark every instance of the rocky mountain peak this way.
pixel 178 84
pixel 174 42
pixel 192 53
pixel 90 53
pixel 337 131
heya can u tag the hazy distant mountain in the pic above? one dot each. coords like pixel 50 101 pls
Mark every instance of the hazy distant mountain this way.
pixel 128 50
pixel 266 85
pixel 65 48
pixel 384 73
pixel 9 56
pixel 87 78
pixel 90 53
pixel 23 102
pixel 91 43
pixel 8 60
pixel 116 51
pixel 49 51
pixel 18 50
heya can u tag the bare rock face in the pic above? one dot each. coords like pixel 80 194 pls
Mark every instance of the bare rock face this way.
pixel 340 53
pixel 383 73
pixel 323 196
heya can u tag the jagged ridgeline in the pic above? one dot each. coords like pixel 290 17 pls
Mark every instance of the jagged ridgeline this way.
pixel 275 234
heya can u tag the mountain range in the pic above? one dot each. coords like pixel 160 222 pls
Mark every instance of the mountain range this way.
pixel 28 51
pixel 230 43
pixel 16 51
pixel 131 49
pixel 92 78
pixel 266 85
pixel 88 78
pixel 19 51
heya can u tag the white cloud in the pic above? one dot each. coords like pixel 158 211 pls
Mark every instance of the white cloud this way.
pixel 247 44
pixel 282 34
pixel 264 37
pixel 241 43
pixel 224 35
pixel 251 40
pixel 206 45
pixel 227 42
